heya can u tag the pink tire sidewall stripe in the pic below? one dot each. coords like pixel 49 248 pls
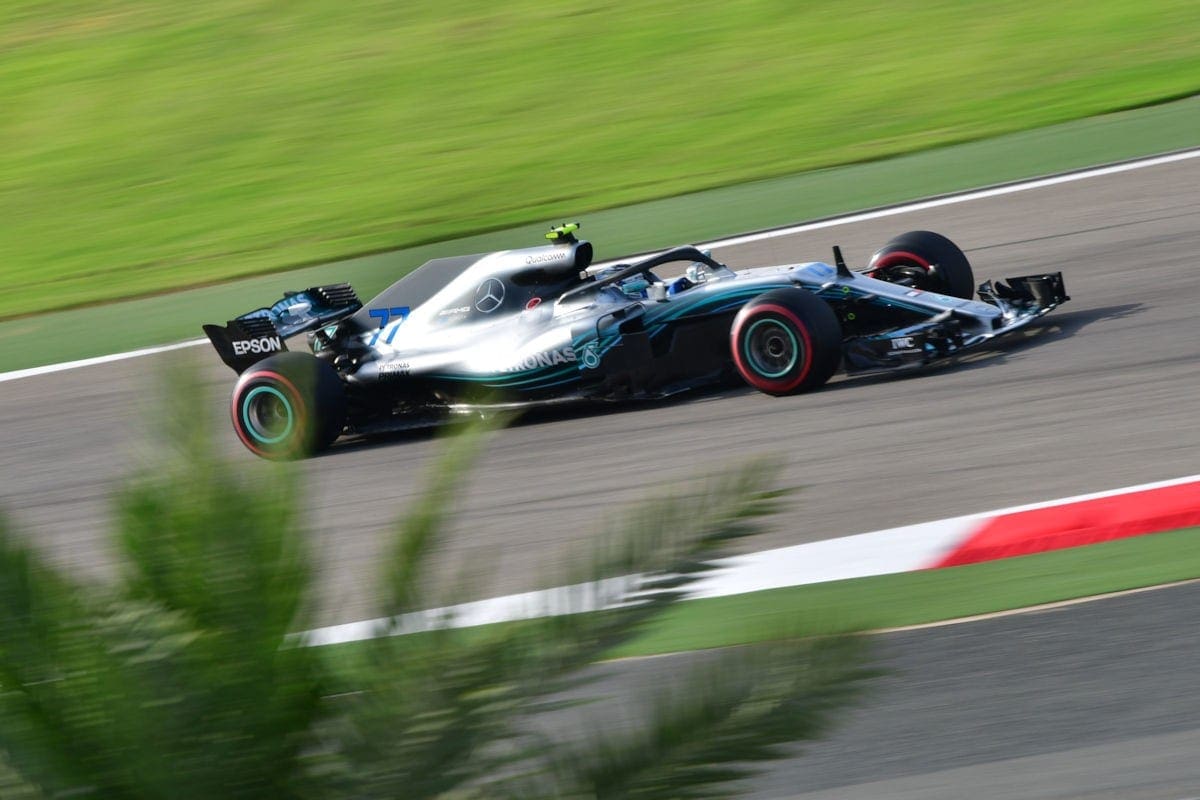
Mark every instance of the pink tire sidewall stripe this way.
pixel 236 399
pixel 765 384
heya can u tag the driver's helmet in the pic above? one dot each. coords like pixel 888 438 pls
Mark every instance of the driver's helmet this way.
pixel 696 274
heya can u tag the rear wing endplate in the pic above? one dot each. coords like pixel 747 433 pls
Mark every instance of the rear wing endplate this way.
pixel 255 335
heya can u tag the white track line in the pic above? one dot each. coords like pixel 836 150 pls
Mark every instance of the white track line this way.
pixel 903 549
pixel 891 211
pixel 964 197
pixel 1079 498
pixel 88 362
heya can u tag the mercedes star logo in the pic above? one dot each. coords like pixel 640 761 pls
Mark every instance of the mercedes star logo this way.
pixel 489 295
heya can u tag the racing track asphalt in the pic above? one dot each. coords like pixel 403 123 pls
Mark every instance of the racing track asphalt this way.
pixel 1087 701
pixel 1107 395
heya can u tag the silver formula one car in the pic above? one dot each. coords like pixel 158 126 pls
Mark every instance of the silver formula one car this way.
pixel 540 325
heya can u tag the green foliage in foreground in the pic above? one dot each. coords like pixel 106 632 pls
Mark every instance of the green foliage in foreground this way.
pixel 908 598
pixel 181 681
pixel 149 145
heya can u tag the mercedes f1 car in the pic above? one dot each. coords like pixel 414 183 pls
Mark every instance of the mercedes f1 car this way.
pixel 542 325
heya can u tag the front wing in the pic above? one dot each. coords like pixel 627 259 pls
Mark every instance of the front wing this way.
pixel 1021 300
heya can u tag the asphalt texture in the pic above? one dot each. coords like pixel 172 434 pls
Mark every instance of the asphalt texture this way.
pixel 1105 394
pixel 1091 701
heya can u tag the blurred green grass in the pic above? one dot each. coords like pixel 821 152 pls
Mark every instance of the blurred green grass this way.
pixel 105 328
pixel 151 145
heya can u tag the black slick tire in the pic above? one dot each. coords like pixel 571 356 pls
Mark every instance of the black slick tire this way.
pixel 924 260
pixel 288 406
pixel 785 341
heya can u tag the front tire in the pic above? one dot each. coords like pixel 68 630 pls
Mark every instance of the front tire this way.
pixel 927 261
pixel 786 341
pixel 288 406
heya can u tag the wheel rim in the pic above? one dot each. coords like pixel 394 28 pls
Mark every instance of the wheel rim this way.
pixel 911 275
pixel 908 269
pixel 771 348
pixel 268 415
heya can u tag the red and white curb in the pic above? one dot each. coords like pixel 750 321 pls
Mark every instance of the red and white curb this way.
pixel 1022 530
pixel 1100 518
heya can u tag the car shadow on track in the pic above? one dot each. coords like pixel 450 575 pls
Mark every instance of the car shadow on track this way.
pixel 540 415
pixel 1044 332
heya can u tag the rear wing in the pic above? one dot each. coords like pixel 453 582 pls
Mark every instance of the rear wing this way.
pixel 257 334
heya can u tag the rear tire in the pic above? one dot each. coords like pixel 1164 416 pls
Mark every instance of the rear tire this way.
pixel 927 261
pixel 288 406
pixel 786 341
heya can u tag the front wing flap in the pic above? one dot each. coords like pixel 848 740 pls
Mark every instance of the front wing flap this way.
pixel 1021 300
pixel 1044 292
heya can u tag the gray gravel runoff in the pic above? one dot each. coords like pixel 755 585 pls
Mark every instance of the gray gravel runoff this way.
pixel 1107 394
